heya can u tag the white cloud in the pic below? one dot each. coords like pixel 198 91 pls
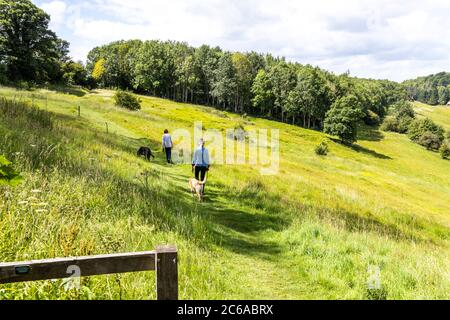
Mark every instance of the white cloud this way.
pixel 57 12
pixel 372 38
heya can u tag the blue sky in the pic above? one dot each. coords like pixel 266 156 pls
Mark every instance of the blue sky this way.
pixel 393 39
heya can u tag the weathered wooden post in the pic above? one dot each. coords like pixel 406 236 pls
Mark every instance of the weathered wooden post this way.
pixel 79 111
pixel 166 273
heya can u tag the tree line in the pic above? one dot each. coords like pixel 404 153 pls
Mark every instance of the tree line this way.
pixel 433 89
pixel 244 82
pixel 250 82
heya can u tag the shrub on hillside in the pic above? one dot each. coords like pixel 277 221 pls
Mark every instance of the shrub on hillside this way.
pixel 403 124
pixel 390 123
pixel 322 149
pixel 420 127
pixel 23 85
pixel 430 141
pixel 127 100
pixel 445 151
pixel 401 115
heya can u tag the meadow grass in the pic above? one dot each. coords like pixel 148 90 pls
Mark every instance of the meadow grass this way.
pixel 310 232
pixel 439 114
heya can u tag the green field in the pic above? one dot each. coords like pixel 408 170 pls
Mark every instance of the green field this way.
pixel 311 232
pixel 439 114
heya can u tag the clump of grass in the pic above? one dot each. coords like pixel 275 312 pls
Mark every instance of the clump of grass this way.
pixel 377 294
pixel 322 149
pixel 13 110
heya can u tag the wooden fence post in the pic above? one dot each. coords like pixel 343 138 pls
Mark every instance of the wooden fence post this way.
pixel 166 273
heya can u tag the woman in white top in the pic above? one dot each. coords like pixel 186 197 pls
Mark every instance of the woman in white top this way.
pixel 167 145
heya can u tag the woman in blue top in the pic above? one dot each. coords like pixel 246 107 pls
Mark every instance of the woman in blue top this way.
pixel 167 145
pixel 200 162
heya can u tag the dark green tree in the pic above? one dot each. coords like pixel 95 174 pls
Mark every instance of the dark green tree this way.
pixel 282 77
pixel 243 70
pixel 154 69
pixel 443 95
pixel 342 119
pixel 263 97
pixel 29 50
pixel 311 97
pixel 74 73
pixel 224 86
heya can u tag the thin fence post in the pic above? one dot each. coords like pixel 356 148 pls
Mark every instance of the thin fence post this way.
pixel 166 273
pixel 79 111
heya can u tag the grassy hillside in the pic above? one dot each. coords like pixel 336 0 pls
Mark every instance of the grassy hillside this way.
pixel 439 114
pixel 310 232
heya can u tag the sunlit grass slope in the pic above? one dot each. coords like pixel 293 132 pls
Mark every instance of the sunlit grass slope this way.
pixel 311 232
pixel 439 114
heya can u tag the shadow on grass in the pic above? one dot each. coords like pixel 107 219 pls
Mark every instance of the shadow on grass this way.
pixel 403 227
pixel 369 152
pixel 368 133
pixel 79 92
pixel 361 149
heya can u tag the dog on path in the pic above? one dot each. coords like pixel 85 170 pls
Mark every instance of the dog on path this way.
pixel 196 188
pixel 145 152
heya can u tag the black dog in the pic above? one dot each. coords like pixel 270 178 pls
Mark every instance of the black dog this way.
pixel 145 152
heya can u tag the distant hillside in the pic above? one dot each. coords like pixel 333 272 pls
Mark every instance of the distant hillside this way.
pixel 439 114
pixel 433 89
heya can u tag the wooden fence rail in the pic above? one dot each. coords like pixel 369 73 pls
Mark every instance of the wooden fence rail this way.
pixel 163 260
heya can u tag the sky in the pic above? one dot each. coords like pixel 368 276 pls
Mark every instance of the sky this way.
pixel 381 39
